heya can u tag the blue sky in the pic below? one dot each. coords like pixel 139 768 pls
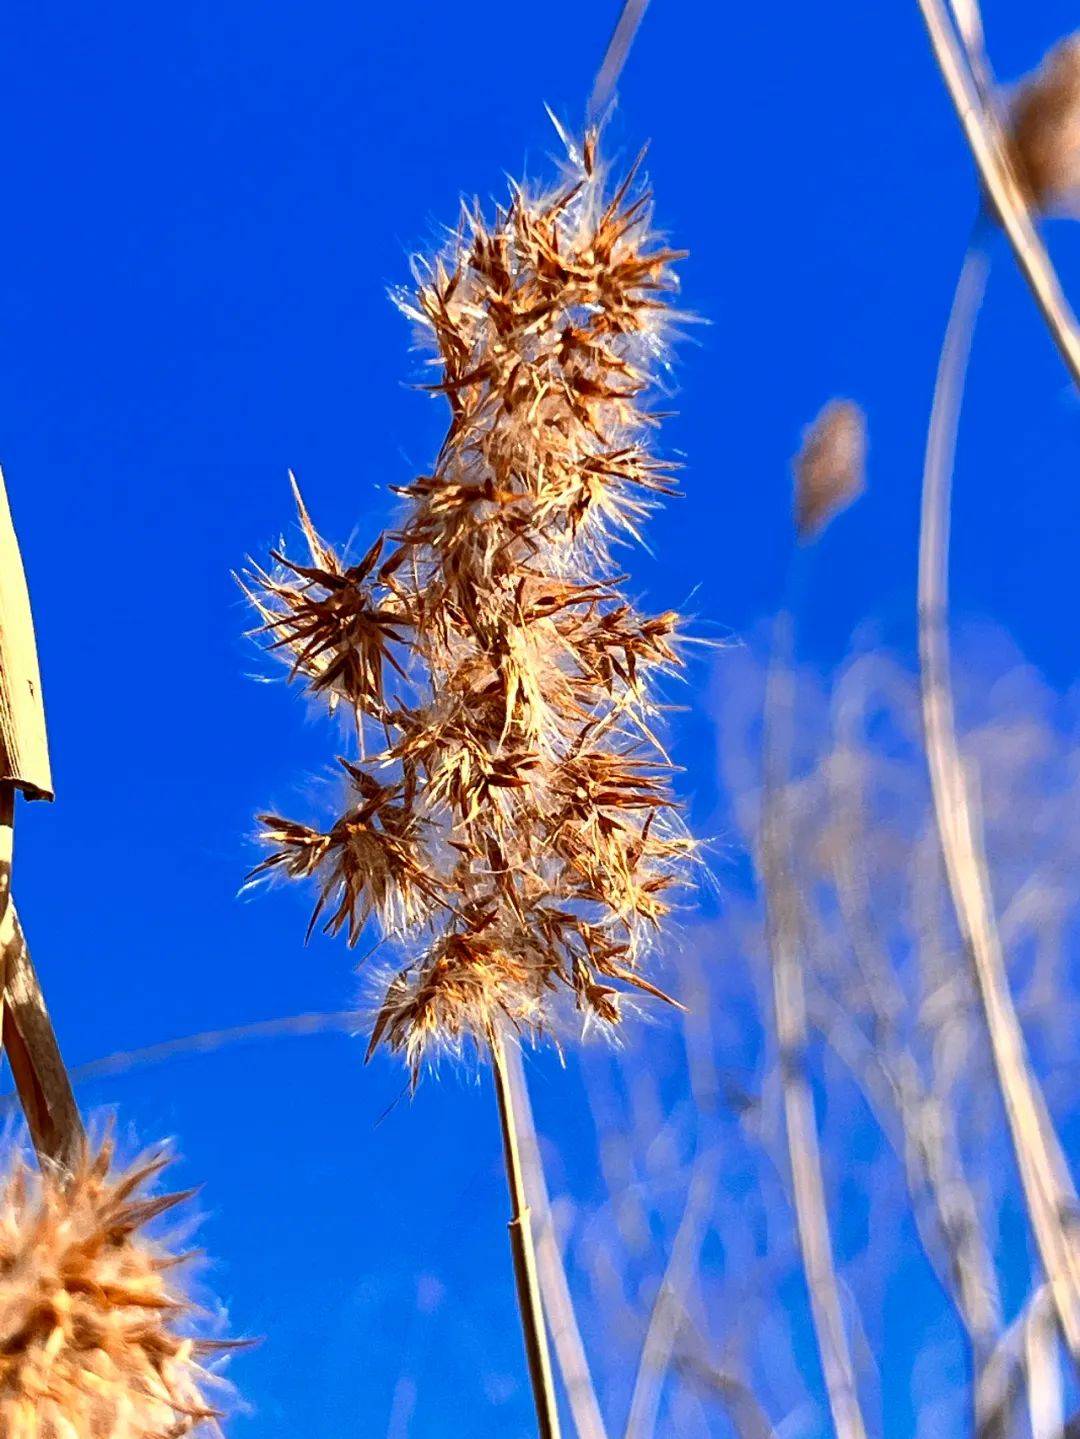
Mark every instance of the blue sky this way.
pixel 204 206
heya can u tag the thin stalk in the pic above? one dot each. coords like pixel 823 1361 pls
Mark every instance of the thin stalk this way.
pixel 929 1152
pixel 7 853
pixel 26 1031
pixel 554 1287
pixel 523 1251
pixel 37 1066
pixel 1007 1371
pixel 668 1310
pixel 1048 1190
pixel 7 846
pixel 789 1001
pixel 990 152
pixel 1046 1404
pixel 630 17
pixel 742 1404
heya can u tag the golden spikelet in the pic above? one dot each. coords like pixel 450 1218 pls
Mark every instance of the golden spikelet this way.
pixel 829 469
pixel 92 1315
pixel 1044 130
pixel 511 820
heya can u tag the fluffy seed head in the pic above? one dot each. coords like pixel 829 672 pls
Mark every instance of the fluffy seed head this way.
pixel 510 818
pixel 92 1313
pixel 1044 130
pixel 830 468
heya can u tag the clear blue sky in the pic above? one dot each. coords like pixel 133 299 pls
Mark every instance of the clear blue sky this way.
pixel 204 205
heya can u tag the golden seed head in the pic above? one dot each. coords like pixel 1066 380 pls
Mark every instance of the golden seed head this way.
pixel 93 1317
pixel 830 468
pixel 1044 130
pixel 512 817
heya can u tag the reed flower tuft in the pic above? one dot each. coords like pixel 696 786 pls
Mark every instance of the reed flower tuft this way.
pixel 509 816
pixel 93 1317
pixel 1044 130
pixel 830 468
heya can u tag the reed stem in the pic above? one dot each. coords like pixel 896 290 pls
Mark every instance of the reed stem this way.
pixel 783 926
pixel 1048 1189
pixel 523 1251
pixel 1006 199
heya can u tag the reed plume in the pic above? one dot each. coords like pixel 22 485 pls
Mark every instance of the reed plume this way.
pixel 829 470
pixel 509 811
pixel 1044 130
pixel 93 1317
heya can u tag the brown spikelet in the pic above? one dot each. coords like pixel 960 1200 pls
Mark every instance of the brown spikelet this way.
pixel 323 616
pixel 512 821
pixel 92 1315
pixel 829 470
pixel 1044 130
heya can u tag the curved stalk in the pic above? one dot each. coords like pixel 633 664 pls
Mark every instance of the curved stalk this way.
pixel 1048 1190
pixel 987 143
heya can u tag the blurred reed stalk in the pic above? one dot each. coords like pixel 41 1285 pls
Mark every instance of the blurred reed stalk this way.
pixel 1027 165
pixel 1048 1190
pixel 828 476
pixel 968 81
pixel 783 931
pixel 892 1082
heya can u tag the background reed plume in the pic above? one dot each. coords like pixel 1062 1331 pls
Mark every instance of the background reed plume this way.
pixel 96 1330
pixel 510 802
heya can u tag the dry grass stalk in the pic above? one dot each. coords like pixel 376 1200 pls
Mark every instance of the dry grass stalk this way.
pixel 1046 1405
pixel 523 1251
pixel 783 929
pixel 1048 1189
pixel 513 806
pixel 830 468
pixel 901 1097
pixel 668 1317
pixel 555 1290
pixel 37 1066
pixel 618 51
pixel 930 1148
pixel 994 153
pixel 92 1315
pixel 739 1401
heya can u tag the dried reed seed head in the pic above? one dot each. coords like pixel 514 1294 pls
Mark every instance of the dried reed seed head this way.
pixel 1044 130
pixel 512 818
pixel 92 1312
pixel 830 468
